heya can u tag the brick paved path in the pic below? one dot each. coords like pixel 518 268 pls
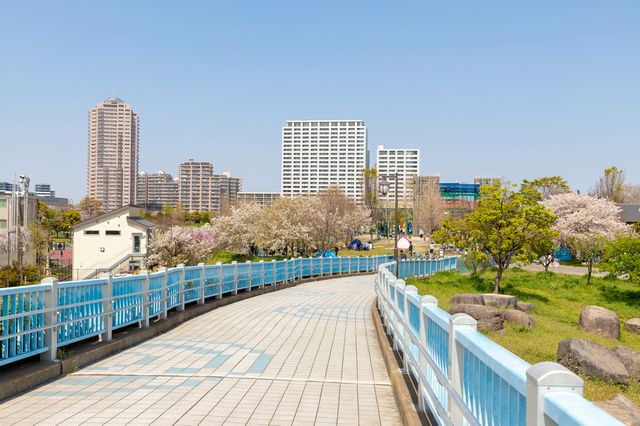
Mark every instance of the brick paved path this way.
pixel 303 355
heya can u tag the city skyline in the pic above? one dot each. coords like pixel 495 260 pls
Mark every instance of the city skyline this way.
pixel 515 91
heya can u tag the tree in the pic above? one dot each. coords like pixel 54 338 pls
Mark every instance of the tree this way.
pixel 506 226
pixel 179 244
pixel 69 219
pixel 283 226
pixel 631 193
pixel 622 257
pixel 428 209
pixel 371 200
pixel 548 186
pixel 585 224
pixel 610 185
pixel 90 208
pixel 239 230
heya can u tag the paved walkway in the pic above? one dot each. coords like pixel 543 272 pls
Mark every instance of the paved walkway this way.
pixel 304 355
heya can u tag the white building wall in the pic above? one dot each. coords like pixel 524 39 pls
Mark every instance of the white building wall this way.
pixel 317 154
pixel 93 252
pixel 405 162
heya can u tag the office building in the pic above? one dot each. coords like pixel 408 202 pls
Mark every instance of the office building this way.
pixel 113 154
pixel 403 161
pixel 419 185
pixel 318 154
pixel 157 190
pixel 486 180
pixel 7 187
pixel 44 190
pixel 263 199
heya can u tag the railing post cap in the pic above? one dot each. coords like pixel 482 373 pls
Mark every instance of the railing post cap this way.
pixel 104 275
pixel 201 264
pixel 261 261
pixel 429 300
pixel 218 263
pixel 411 289
pixel 248 261
pixel 273 260
pixel 462 320
pixel 552 374
pixel 233 262
pixel 162 269
pixel 49 280
pixel 180 265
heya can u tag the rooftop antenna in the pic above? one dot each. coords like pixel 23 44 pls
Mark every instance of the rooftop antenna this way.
pixel 113 93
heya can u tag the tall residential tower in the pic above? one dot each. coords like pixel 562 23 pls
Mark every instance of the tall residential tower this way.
pixel 112 163
pixel 317 154
pixel 403 161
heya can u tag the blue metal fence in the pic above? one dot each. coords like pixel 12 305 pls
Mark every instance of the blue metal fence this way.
pixel 38 319
pixel 464 378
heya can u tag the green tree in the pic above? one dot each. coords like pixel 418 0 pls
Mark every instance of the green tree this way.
pixel 506 226
pixel 622 257
pixel 69 219
pixel 90 207
pixel 611 185
pixel 548 186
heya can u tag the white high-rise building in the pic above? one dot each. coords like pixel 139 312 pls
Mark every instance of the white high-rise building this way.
pixel 112 171
pixel 405 162
pixel 318 154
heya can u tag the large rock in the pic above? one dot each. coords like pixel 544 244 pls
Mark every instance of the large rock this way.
pixel 595 319
pixel 518 318
pixel 499 300
pixel 630 359
pixel 467 299
pixel 633 325
pixel 591 359
pixel 525 306
pixel 488 318
pixel 623 409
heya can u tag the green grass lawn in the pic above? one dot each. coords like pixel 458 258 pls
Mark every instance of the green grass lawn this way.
pixel 558 300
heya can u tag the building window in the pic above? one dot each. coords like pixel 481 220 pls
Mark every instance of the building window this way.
pixel 112 232
pixel 3 204
pixel 88 232
pixel 3 223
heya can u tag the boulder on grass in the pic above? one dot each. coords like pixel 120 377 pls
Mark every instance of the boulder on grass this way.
pixel 591 359
pixel 467 299
pixel 499 300
pixel 488 318
pixel 595 319
pixel 633 325
pixel 525 306
pixel 623 409
pixel 630 359
pixel 517 317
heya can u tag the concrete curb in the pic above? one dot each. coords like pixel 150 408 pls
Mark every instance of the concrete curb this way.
pixel 408 412
pixel 24 376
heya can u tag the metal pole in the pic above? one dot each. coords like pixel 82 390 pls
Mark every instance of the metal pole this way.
pixel 395 231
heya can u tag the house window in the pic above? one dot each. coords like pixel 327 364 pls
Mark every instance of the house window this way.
pixel 88 232
pixel 136 243
pixel 3 203
pixel 112 232
pixel 3 223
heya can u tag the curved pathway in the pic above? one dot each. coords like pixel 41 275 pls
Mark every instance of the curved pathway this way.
pixel 307 354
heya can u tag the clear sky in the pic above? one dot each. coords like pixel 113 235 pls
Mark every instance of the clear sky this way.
pixel 506 88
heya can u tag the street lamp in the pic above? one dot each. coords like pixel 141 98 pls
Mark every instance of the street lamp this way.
pixel 384 190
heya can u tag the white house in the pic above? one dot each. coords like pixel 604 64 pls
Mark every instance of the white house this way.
pixel 115 242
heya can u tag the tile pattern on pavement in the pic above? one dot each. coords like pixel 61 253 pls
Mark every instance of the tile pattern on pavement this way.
pixel 303 355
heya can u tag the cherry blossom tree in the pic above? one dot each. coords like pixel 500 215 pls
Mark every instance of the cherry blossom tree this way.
pixel 283 226
pixel 585 224
pixel 181 244
pixel 240 229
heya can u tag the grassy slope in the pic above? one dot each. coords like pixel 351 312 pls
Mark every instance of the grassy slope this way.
pixel 558 300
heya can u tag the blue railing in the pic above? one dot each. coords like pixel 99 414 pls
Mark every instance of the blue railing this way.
pixel 464 378
pixel 30 316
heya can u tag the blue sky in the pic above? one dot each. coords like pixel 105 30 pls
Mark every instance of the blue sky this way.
pixel 515 89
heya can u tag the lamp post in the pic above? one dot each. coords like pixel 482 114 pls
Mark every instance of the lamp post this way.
pixel 384 190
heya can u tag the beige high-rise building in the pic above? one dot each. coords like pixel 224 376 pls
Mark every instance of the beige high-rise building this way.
pixel 157 190
pixel 196 193
pixel 112 164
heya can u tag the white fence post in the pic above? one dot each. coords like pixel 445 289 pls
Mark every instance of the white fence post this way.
pixel 107 306
pixel 425 300
pixel 146 298
pixel 249 278
pixel 219 293
pixel 406 339
pixel 50 320
pixel 339 265
pixel 165 293
pixel 331 265
pixel 262 274
pixel 456 361
pixel 286 270
pixel 235 277
pixel 322 265
pixel 181 288
pixel 275 272
pixel 543 378
pixel 202 283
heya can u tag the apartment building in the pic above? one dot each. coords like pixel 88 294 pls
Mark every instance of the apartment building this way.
pixel 318 154
pixel 112 163
pixel 156 190
pixel 225 192
pixel 403 161
pixel 195 179
pixel 263 199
